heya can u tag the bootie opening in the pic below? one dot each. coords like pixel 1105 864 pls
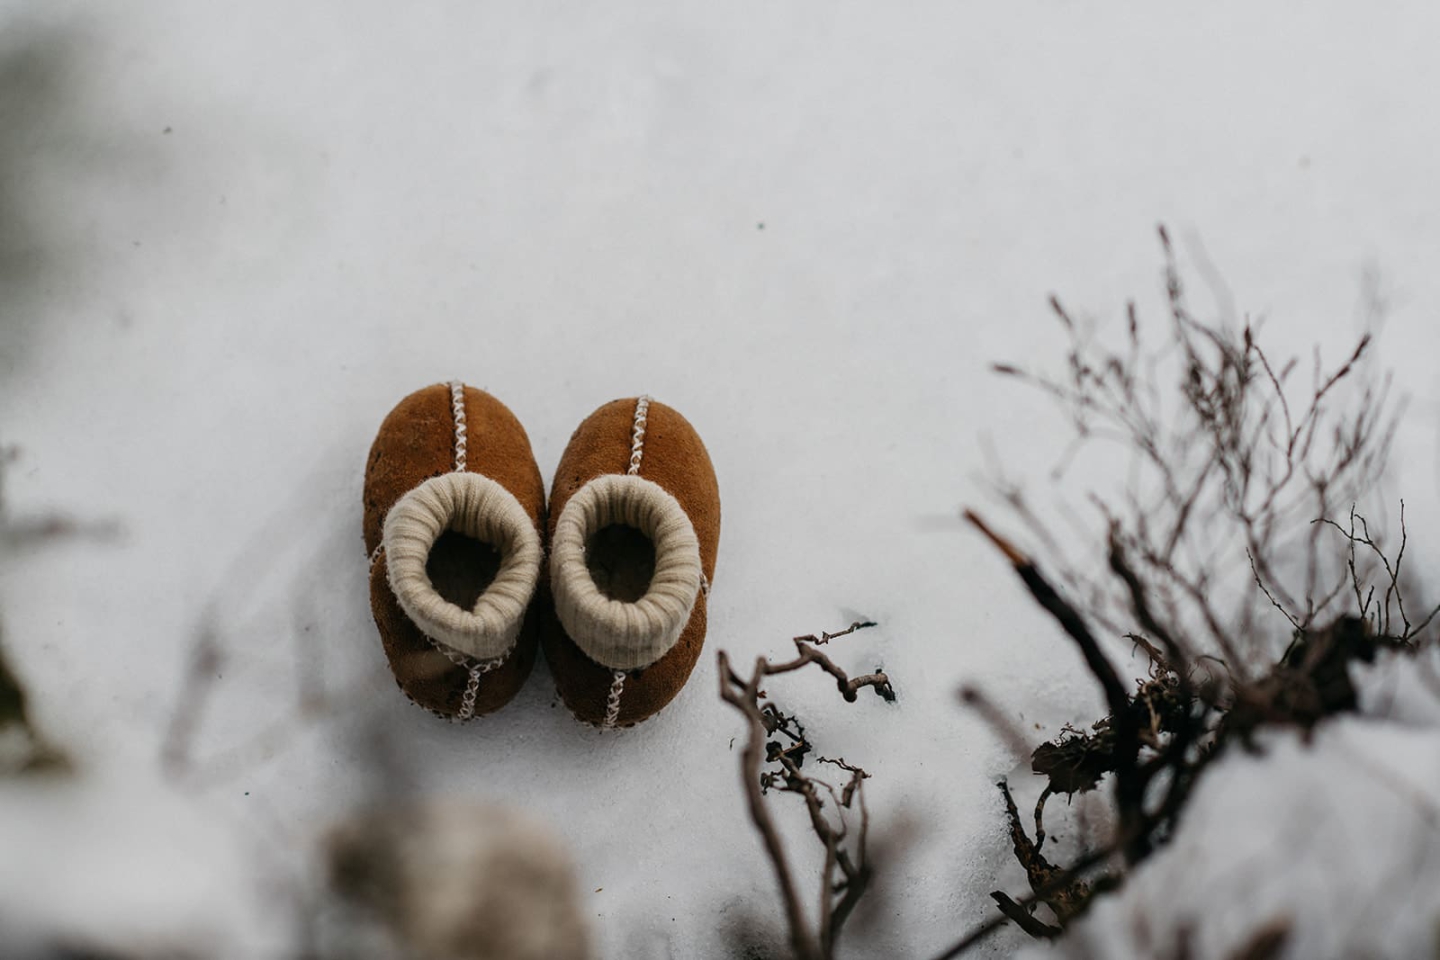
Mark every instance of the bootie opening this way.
pixel 598 560
pixel 461 568
pixel 463 558
pixel 621 560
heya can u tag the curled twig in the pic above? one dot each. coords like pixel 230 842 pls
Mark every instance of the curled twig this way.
pixel 846 873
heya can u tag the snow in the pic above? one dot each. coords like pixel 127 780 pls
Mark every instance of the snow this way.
pixel 1403 691
pixel 232 237
pixel 135 867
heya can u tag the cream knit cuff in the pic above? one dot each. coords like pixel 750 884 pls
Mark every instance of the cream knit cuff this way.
pixel 615 634
pixel 478 507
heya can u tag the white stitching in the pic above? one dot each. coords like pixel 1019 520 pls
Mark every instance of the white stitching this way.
pixel 375 554
pixel 612 703
pixel 476 668
pixel 637 443
pixel 457 407
pixel 704 584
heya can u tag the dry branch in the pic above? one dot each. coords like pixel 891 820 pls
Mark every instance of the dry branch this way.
pixel 1235 473
pixel 847 871
pixel 1129 790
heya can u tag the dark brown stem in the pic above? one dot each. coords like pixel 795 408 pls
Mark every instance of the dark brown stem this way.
pixel 846 871
pixel 743 695
pixel 1023 918
pixel 1129 791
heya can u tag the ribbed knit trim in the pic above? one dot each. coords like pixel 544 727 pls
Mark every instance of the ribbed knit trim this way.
pixel 615 634
pixel 478 507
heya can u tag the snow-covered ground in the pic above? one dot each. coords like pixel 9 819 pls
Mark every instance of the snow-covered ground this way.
pixel 232 236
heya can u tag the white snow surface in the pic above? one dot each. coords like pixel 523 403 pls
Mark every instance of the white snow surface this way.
pixel 131 866
pixel 233 236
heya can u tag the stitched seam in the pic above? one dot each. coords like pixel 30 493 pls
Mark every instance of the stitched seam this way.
pixel 457 408
pixel 637 436
pixel 476 669
pixel 375 554
pixel 612 703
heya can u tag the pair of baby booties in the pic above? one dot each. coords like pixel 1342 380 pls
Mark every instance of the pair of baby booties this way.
pixel 471 572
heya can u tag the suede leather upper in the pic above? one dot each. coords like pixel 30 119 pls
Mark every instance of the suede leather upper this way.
pixel 415 442
pixel 676 459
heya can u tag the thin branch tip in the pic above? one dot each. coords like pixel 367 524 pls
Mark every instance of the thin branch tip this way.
pixel 1012 553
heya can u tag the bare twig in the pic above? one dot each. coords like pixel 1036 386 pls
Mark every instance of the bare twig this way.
pixel 976 699
pixel 1076 871
pixel 846 873
pixel 201 673
pixel 1129 792
pixel 1229 464
pixel 1380 615
pixel 743 694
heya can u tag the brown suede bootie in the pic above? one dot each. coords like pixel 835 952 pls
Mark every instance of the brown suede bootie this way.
pixel 454 511
pixel 634 528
